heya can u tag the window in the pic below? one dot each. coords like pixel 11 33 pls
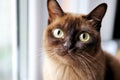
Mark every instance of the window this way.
pixel 32 19
pixel 8 39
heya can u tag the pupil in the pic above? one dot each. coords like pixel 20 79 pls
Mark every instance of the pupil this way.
pixel 58 32
pixel 84 36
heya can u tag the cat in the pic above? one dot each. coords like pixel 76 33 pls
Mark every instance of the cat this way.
pixel 72 46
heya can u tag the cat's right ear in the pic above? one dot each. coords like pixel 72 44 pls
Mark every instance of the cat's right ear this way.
pixel 54 10
pixel 98 13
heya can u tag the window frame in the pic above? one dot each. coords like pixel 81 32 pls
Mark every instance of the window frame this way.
pixel 22 39
pixel 31 14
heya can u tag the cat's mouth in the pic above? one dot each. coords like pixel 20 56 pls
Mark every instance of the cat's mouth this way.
pixel 66 52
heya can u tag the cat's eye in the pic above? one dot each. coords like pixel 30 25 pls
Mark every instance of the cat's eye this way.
pixel 58 33
pixel 84 37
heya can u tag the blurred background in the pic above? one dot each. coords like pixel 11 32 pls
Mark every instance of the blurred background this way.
pixel 21 28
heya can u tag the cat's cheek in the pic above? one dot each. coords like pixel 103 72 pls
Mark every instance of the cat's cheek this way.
pixel 80 45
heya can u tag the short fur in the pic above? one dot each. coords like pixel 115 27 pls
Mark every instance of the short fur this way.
pixel 77 60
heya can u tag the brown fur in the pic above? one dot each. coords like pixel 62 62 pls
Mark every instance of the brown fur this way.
pixel 80 61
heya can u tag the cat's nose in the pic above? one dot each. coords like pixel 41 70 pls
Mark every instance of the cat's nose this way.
pixel 67 45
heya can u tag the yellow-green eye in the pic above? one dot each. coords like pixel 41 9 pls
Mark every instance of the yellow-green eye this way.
pixel 58 33
pixel 84 37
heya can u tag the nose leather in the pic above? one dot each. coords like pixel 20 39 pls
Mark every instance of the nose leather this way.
pixel 68 45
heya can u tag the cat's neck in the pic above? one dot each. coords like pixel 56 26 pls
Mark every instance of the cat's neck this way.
pixel 59 71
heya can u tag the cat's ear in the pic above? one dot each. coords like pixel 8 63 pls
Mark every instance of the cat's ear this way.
pixel 98 13
pixel 54 10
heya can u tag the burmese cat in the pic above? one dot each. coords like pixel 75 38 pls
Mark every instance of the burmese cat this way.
pixel 72 46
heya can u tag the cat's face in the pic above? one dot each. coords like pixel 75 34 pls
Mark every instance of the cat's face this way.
pixel 73 34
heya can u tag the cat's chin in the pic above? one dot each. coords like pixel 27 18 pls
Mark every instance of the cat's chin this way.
pixel 63 54
pixel 65 58
pixel 66 52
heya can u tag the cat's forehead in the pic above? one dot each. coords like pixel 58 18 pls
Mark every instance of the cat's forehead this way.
pixel 71 21
pixel 68 18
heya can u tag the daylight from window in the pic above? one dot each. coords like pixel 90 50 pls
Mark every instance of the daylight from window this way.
pixel 5 41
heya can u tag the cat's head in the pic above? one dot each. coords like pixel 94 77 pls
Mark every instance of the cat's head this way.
pixel 73 34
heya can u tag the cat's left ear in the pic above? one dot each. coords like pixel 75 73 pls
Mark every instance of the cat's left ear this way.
pixel 98 13
pixel 54 10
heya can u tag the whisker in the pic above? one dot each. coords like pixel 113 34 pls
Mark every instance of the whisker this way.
pixel 90 69
pixel 96 61
pixel 90 65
